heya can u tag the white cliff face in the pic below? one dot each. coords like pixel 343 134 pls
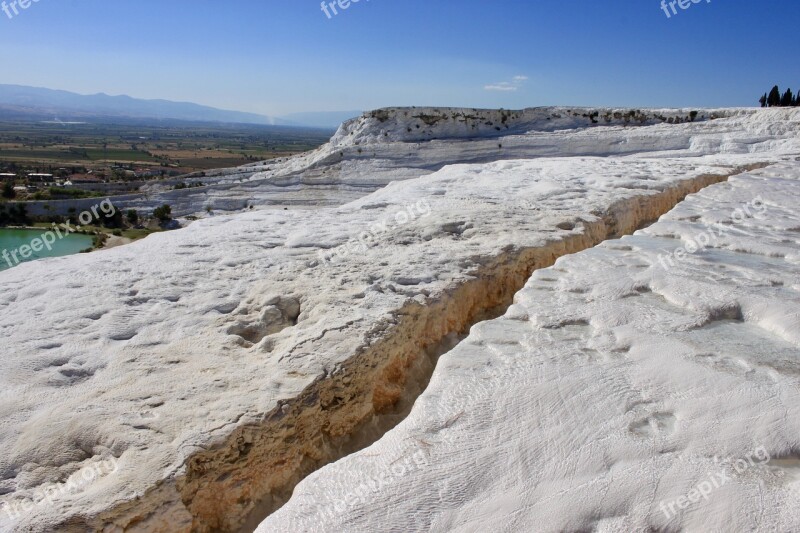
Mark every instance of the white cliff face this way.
pixel 650 383
pixel 218 365
pixel 427 123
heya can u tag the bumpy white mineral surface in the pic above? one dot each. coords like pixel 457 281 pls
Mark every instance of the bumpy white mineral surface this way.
pixel 189 381
pixel 629 388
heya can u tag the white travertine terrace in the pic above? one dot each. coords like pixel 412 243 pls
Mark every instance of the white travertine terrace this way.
pixel 219 365
pixel 387 145
pixel 623 391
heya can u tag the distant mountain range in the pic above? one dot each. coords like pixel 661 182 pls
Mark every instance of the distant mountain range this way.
pixel 18 102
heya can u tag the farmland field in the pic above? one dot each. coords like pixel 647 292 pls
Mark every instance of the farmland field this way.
pixel 181 147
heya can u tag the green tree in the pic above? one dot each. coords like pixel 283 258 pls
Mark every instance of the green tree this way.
pixel 8 190
pixel 788 99
pixel 163 213
pixel 133 216
pixel 763 100
pixel 18 214
pixel 774 98
pixel 114 220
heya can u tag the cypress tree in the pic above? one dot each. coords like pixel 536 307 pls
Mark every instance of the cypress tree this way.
pixel 774 98
pixel 763 100
pixel 788 99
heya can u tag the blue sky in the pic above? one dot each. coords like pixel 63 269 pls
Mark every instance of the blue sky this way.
pixel 282 56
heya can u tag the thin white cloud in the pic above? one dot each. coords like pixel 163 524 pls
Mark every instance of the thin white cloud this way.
pixel 504 86
pixel 507 86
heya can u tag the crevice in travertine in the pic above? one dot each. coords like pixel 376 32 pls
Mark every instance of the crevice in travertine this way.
pixel 235 485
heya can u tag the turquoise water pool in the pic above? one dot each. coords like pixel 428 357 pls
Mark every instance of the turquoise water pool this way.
pixel 12 240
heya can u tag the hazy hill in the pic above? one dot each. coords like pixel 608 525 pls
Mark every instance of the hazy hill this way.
pixel 19 102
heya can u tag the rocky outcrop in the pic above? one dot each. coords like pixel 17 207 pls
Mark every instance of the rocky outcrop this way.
pixel 419 124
